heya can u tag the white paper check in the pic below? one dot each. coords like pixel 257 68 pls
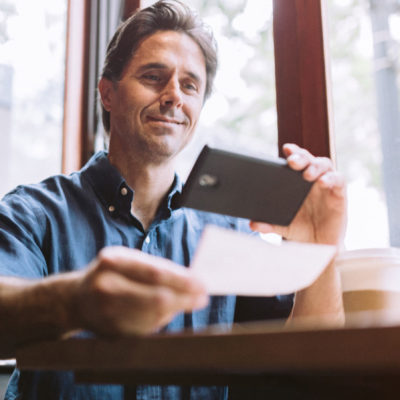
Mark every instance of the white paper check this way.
pixel 229 262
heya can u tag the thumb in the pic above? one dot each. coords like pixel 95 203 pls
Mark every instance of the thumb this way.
pixel 264 227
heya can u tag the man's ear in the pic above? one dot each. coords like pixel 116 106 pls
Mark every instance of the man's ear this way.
pixel 106 90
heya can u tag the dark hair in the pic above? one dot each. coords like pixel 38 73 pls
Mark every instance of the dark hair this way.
pixel 165 15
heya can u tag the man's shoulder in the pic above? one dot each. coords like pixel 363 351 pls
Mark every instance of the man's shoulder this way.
pixel 57 186
pixel 49 187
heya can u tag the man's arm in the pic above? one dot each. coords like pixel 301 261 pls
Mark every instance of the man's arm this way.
pixel 31 309
pixel 122 292
pixel 321 219
pixel 321 302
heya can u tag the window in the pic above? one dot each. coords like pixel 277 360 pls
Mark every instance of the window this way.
pixel 364 49
pixel 241 113
pixel 32 52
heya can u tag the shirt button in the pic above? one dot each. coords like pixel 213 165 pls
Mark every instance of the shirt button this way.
pixel 111 208
pixel 124 191
pixel 147 240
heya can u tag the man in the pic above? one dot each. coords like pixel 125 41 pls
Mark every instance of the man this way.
pixel 99 250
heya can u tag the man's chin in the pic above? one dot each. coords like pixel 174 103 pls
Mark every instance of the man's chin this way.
pixel 162 150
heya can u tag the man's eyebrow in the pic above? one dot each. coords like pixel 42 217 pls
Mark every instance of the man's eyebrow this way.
pixel 153 65
pixel 194 76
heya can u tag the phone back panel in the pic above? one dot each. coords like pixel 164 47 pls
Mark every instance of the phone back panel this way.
pixel 242 186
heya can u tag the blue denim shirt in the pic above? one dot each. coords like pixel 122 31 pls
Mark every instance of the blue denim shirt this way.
pixel 60 225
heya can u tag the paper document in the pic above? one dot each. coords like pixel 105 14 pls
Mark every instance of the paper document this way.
pixel 229 262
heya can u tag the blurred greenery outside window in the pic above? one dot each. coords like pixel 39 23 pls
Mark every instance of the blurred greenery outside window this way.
pixel 241 113
pixel 358 74
pixel 32 58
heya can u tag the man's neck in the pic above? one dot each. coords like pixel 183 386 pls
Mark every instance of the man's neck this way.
pixel 150 183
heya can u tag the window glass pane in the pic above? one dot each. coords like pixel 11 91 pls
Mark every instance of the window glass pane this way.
pixel 241 113
pixel 366 115
pixel 32 52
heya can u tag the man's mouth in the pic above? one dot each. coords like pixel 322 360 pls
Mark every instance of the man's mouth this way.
pixel 165 120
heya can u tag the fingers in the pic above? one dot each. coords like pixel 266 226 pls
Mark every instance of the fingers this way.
pixel 126 291
pixel 302 160
pixel 116 305
pixel 160 304
pixel 110 284
pixel 261 227
pixel 156 302
pixel 333 181
pixel 314 168
pixel 321 218
pixel 145 268
pixel 162 300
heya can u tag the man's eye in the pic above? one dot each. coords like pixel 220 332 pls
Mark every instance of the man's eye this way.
pixel 152 77
pixel 190 86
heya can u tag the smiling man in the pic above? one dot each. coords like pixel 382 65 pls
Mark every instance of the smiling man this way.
pixel 105 249
pixel 155 105
pixel 154 108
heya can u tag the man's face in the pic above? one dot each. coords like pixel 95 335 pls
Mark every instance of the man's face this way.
pixel 155 106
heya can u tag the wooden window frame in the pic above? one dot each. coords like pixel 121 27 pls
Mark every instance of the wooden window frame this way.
pixel 78 142
pixel 302 93
pixel 130 7
pixel 74 144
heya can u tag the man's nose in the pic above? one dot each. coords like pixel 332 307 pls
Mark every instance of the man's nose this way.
pixel 171 95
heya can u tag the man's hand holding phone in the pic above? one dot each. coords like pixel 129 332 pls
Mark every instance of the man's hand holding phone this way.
pixel 258 189
pixel 322 216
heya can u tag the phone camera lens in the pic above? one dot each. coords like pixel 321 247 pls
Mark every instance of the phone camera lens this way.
pixel 207 180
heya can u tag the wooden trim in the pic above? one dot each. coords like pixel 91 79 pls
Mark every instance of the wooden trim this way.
pixel 130 6
pixel 246 349
pixel 301 84
pixel 316 363
pixel 75 89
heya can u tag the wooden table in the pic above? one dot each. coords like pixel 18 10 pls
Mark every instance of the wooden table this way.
pixel 329 362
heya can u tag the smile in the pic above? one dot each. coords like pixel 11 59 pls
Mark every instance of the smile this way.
pixel 165 120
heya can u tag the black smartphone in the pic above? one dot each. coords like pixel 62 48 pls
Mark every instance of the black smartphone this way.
pixel 265 190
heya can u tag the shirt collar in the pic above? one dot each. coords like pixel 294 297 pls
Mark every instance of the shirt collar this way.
pixel 113 191
pixel 174 193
